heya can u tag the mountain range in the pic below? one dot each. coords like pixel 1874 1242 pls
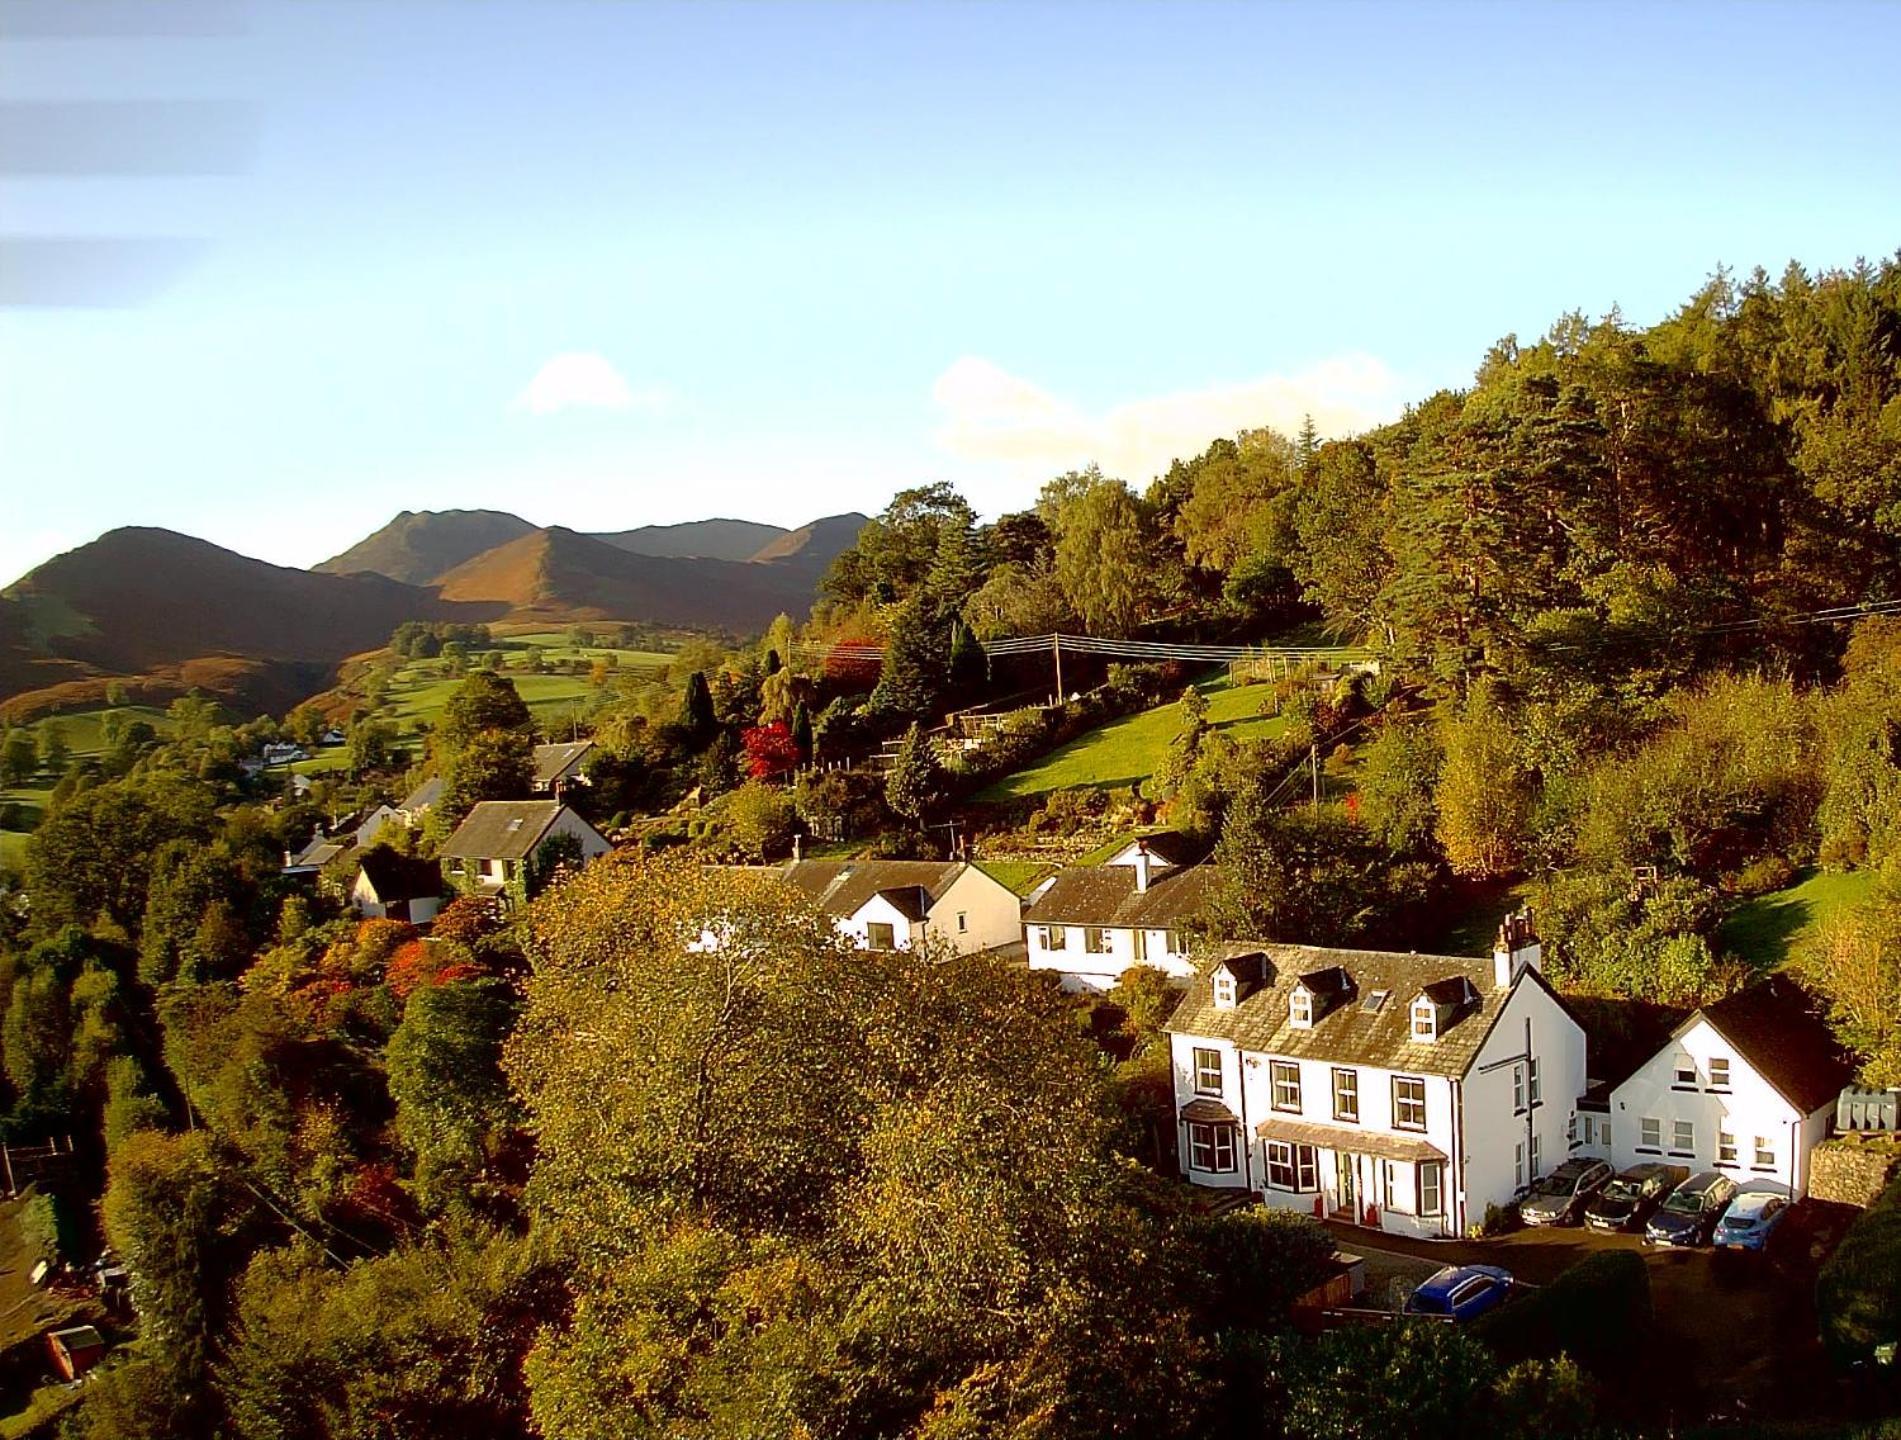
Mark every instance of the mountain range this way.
pixel 161 613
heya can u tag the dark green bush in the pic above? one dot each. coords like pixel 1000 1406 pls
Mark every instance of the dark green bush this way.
pixel 1597 1312
pixel 1858 1292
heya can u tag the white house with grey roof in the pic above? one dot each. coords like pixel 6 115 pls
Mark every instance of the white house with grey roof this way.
pixel 1092 922
pixel 491 851
pixel 1746 1085
pixel 902 904
pixel 559 766
pixel 1401 1091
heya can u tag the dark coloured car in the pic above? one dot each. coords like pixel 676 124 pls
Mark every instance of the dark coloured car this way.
pixel 1461 1292
pixel 1560 1197
pixel 1627 1202
pixel 1689 1216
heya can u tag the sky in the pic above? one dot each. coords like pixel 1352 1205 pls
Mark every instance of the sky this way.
pixel 623 262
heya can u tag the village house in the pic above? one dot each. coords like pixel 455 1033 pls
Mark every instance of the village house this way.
pixel 1404 1092
pixel 419 802
pixel 1092 922
pixel 559 766
pixel 1747 1086
pixel 490 851
pixel 902 904
pixel 390 886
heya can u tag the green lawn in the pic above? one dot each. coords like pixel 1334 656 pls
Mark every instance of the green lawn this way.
pixel 85 729
pixel 420 690
pixel 1126 751
pixel 1763 931
pixel 1018 875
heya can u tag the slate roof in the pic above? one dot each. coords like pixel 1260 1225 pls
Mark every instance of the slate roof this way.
pixel 840 888
pixel 321 850
pixel 502 830
pixel 1348 1033
pixel 555 762
pixel 1780 1029
pixel 394 877
pixel 425 796
pixel 1105 895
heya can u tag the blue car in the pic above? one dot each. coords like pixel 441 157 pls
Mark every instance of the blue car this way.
pixel 1461 1292
pixel 1751 1219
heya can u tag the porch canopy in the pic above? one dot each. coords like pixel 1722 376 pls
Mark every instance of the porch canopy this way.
pixel 1386 1146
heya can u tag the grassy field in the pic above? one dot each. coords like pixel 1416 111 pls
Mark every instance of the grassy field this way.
pixel 85 735
pixel 1018 875
pixel 420 690
pixel 1764 930
pixel 1126 751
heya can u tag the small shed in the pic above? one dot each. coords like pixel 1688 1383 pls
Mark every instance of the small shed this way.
pixel 75 1350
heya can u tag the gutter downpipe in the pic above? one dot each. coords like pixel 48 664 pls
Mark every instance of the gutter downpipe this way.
pixel 1457 1178
pixel 1247 1135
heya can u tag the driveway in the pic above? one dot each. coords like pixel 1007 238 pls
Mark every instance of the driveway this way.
pixel 1732 1329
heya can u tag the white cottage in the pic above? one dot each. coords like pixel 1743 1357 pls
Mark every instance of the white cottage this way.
pixel 1092 922
pixel 1746 1086
pixel 1403 1092
pixel 900 904
pixel 491 849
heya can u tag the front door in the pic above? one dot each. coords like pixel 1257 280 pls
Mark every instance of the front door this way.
pixel 1345 1171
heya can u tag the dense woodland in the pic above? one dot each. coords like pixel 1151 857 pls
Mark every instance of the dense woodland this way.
pixel 563 1172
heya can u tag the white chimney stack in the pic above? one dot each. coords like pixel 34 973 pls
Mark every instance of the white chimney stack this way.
pixel 1141 867
pixel 1516 950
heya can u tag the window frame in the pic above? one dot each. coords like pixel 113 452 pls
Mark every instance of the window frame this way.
pixel 1096 940
pixel 1227 991
pixel 1678 1127
pixel 963 922
pixel 1212 1138
pixel 1518 1089
pixel 1423 1011
pixel 1647 1143
pixel 1429 1200
pixel 1293 1169
pixel 1682 1065
pixel 1055 937
pixel 1351 1091
pixel 1300 1008
pixel 1765 1146
pixel 1719 1086
pixel 1200 1070
pixel 1278 1073
pixel 872 927
pixel 1728 1152
pixel 1402 1107
pixel 1534 1083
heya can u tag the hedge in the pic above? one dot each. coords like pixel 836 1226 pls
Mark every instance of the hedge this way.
pixel 1858 1291
pixel 1597 1312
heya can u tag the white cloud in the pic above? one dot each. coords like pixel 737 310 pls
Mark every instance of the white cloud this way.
pixel 992 415
pixel 585 380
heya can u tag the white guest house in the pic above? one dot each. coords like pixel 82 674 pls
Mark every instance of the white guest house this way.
pixel 1746 1086
pixel 1092 922
pixel 1401 1091
pixel 902 904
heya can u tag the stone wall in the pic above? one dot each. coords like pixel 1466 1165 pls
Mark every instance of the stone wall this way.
pixel 1853 1171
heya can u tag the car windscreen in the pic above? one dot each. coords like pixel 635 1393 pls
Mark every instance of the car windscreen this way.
pixel 1628 1191
pixel 1685 1202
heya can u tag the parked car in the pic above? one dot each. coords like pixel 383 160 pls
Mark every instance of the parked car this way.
pixel 1751 1219
pixel 1628 1200
pixel 1461 1292
pixel 1689 1216
pixel 1561 1196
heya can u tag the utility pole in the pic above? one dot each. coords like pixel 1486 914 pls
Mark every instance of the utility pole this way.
pixel 1313 760
pixel 1056 649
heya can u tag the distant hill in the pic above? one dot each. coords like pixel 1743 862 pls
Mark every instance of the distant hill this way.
pixel 163 613
pixel 559 574
pixel 705 539
pixel 159 607
pixel 419 548
pixel 814 546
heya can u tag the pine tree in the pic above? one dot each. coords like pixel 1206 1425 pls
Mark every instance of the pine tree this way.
pixel 696 708
pixel 915 787
pixel 802 732
pixel 969 664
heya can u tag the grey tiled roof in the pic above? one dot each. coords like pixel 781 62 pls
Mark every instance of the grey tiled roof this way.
pixel 552 762
pixel 841 887
pixel 502 830
pixel 425 796
pixel 1105 895
pixel 1347 1032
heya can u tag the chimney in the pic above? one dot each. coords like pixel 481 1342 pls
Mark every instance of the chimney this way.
pixel 1515 950
pixel 1141 867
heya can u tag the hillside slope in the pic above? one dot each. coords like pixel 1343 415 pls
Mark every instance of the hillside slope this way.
pixel 420 547
pixel 559 573
pixel 813 546
pixel 718 539
pixel 153 604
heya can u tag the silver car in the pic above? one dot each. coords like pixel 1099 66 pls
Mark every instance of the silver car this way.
pixel 1561 1196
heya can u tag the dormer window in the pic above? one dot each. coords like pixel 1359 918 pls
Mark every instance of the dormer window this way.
pixel 1425 1019
pixel 1300 1008
pixel 1224 991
